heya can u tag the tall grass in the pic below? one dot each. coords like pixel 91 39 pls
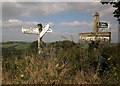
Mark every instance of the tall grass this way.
pixel 61 62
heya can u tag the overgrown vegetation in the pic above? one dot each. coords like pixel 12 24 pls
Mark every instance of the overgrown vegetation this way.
pixel 60 62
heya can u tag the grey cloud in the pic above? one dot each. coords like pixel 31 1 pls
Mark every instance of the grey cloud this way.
pixel 15 23
pixel 16 10
pixel 11 10
pixel 75 24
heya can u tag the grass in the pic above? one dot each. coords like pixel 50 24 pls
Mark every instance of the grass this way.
pixel 61 62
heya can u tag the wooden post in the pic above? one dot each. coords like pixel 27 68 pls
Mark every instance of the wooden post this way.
pixel 39 42
pixel 95 22
pixel 96 31
pixel 39 39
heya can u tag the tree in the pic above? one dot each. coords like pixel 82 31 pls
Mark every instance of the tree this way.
pixel 116 13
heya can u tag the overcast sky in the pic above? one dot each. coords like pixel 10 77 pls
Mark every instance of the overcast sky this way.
pixel 66 19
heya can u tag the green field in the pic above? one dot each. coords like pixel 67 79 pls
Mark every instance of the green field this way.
pixel 8 45
pixel 19 46
pixel 22 46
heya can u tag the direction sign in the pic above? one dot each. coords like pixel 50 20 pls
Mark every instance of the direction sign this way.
pixel 103 25
pixel 103 37
pixel 36 30
pixel 29 30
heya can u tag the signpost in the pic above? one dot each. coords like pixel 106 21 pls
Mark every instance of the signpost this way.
pixel 37 31
pixel 103 25
pixel 96 36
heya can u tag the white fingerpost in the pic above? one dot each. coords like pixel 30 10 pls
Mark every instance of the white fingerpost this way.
pixel 38 31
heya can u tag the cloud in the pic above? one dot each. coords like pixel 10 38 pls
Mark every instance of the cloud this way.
pixel 15 10
pixel 29 9
pixel 15 23
pixel 51 1
pixel 104 10
pixel 75 24
pixel 107 11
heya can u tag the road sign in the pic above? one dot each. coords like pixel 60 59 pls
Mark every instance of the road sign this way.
pixel 103 25
pixel 36 30
pixel 103 37
pixel 29 30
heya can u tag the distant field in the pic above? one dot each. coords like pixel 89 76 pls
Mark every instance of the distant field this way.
pixel 19 46
pixel 8 45
pixel 22 46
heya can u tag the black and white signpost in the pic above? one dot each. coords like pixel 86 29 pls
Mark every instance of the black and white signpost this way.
pixel 40 31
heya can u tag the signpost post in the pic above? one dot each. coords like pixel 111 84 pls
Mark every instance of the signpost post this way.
pixel 96 19
pixel 39 39
pixel 95 22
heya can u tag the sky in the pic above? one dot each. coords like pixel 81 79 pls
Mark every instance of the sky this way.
pixel 66 19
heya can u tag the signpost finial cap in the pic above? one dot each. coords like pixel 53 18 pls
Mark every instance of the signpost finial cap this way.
pixel 96 14
pixel 40 27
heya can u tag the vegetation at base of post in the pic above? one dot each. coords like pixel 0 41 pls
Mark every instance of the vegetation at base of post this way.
pixel 61 62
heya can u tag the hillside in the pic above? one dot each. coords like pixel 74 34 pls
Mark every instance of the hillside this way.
pixel 60 62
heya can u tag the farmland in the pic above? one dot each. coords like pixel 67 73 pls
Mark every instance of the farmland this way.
pixel 60 62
